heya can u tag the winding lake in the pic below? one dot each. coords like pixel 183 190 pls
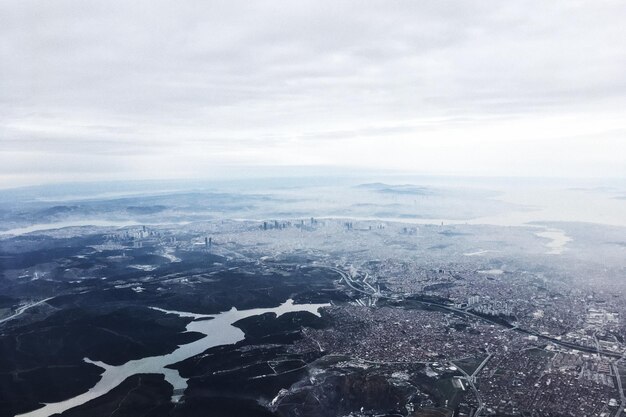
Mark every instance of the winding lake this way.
pixel 218 330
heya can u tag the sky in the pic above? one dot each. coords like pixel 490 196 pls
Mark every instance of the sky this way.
pixel 116 90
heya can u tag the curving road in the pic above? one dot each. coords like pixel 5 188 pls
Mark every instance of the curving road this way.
pixel 20 310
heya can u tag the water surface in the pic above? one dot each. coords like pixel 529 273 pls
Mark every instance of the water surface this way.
pixel 218 330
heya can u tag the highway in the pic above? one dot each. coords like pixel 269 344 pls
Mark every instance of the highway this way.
pixel 470 381
pixel 622 400
pixel 481 366
pixel 20 310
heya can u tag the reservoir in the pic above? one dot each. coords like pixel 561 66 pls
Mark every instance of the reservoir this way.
pixel 218 330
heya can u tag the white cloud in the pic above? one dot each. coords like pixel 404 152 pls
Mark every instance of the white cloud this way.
pixel 488 88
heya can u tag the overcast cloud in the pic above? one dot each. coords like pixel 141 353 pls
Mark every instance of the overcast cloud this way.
pixel 172 89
